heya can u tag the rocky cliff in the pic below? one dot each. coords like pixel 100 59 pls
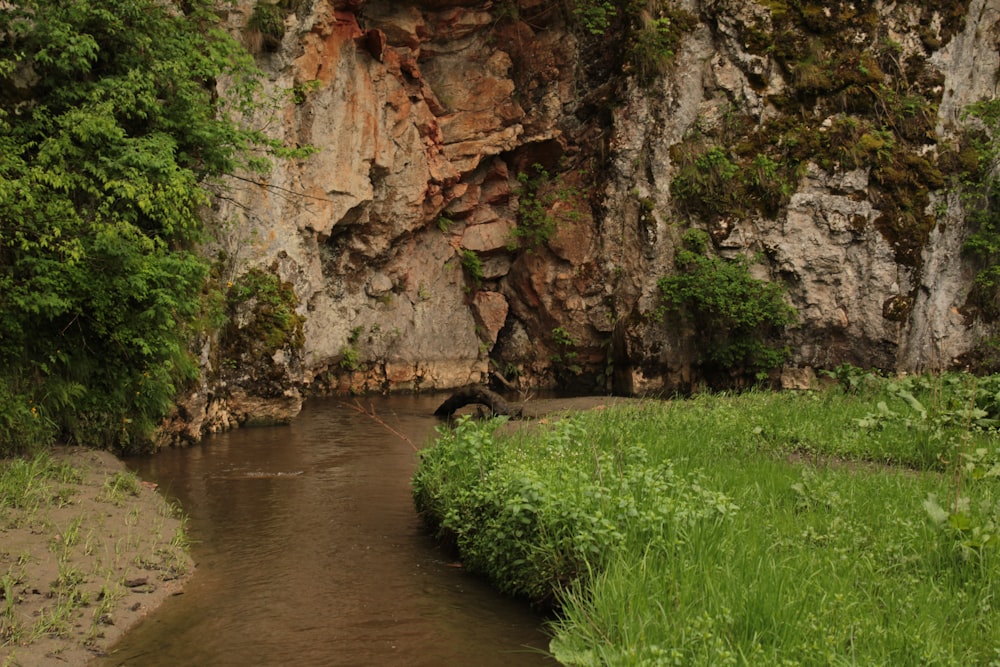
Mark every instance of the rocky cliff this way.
pixel 498 186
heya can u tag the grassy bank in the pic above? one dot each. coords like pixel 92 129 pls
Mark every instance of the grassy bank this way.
pixel 851 526
pixel 86 550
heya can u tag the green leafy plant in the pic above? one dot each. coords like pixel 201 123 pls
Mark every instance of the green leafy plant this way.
pixel 738 318
pixel 937 413
pixel 565 359
pixel 111 132
pixel 594 16
pixel 538 192
pixel 851 378
pixel 473 267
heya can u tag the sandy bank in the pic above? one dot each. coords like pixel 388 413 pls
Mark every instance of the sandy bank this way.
pixel 77 570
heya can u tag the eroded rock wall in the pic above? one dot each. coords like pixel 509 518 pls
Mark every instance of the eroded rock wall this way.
pixel 867 292
pixel 442 127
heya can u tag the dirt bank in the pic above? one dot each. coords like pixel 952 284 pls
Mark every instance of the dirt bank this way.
pixel 82 560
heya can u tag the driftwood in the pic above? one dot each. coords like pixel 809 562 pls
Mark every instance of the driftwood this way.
pixel 475 394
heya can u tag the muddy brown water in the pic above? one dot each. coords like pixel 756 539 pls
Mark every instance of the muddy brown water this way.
pixel 309 552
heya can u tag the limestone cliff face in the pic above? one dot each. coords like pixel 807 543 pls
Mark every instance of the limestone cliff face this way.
pixel 445 129
pixel 868 292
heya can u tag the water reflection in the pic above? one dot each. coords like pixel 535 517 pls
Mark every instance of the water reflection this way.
pixel 309 553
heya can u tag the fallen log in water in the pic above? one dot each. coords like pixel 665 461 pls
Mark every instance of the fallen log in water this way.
pixel 476 395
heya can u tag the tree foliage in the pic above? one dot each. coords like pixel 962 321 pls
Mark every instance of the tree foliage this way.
pixel 111 129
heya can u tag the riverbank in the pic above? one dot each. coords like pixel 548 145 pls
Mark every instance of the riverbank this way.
pixel 86 551
pixel 853 524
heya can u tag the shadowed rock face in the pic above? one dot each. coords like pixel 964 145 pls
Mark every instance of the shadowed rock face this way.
pixel 442 126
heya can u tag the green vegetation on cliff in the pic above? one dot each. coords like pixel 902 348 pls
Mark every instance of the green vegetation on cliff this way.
pixel 735 320
pixel 111 129
pixel 851 98
pixel 857 525
pixel 981 188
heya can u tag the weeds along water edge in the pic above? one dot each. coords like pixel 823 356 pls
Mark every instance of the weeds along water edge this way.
pixel 853 524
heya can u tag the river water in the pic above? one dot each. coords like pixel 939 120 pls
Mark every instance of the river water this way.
pixel 309 552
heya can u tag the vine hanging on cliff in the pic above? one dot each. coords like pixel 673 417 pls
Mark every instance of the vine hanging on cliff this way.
pixel 980 186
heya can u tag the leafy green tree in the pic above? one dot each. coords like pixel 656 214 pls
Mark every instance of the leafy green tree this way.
pixel 111 131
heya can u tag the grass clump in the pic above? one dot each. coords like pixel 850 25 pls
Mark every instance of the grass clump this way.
pixel 853 525
pixel 27 483
pixel 119 487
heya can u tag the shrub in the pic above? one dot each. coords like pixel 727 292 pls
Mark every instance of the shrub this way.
pixel 738 318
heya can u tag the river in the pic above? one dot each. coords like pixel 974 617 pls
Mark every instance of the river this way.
pixel 309 552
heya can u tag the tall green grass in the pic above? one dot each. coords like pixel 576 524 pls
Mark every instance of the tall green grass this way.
pixel 820 528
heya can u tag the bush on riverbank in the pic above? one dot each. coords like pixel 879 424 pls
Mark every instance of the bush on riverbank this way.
pixel 811 528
